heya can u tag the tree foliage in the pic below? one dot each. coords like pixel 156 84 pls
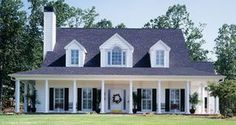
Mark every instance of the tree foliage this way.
pixel 104 23
pixel 12 45
pixel 226 91
pixel 177 17
pixel 225 50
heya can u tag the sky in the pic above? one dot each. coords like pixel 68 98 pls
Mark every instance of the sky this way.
pixel 135 13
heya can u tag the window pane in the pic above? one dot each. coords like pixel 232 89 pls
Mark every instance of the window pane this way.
pixel 160 57
pixel 149 104
pixel 74 57
pixel 116 56
pixel 144 104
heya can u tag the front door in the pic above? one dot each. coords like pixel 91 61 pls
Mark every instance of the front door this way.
pixel 116 100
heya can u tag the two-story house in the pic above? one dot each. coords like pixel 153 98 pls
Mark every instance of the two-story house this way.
pixel 89 69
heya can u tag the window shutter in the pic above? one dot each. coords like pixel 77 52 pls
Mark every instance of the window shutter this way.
pixel 154 100
pixel 182 100
pixel 94 99
pixel 51 98
pixel 109 99
pixel 79 99
pixel 66 99
pixel 124 58
pixel 109 58
pixel 139 99
pixel 167 105
pixel 124 102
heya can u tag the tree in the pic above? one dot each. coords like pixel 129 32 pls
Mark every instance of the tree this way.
pixel 89 17
pixel 120 26
pixel 225 51
pixel 12 31
pixel 177 17
pixel 226 91
pixel 104 23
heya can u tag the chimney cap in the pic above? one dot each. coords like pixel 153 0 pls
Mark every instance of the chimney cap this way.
pixel 49 9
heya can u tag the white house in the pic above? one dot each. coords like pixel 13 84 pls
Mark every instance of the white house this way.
pixel 89 69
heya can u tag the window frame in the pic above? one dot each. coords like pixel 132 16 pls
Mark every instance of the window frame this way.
pixel 123 56
pixel 71 57
pixel 160 58
pixel 175 99
pixel 146 99
pixel 87 99
pixel 59 98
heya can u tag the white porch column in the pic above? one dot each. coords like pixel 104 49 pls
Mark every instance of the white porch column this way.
pixel 25 97
pixel 102 97
pixel 74 96
pixel 203 99
pixel 187 88
pixel 130 97
pixel 46 96
pixel 17 96
pixel 217 110
pixel 208 103
pixel 159 97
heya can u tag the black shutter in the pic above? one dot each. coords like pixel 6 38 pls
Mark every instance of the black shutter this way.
pixel 124 102
pixel 79 99
pixel 94 99
pixel 182 100
pixel 167 105
pixel 51 98
pixel 139 99
pixel 109 99
pixel 154 100
pixel 66 100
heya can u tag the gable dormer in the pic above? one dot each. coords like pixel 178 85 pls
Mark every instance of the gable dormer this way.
pixel 75 54
pixel 116 52
pixel 159 55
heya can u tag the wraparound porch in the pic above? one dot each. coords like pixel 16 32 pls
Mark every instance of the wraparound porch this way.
pixel 159 96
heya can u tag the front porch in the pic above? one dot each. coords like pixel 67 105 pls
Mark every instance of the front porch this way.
pixel 116 96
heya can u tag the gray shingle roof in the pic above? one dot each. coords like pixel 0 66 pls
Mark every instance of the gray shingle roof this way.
pixel 140 39
pixel 118 71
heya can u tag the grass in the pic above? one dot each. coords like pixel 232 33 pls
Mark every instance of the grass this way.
pixel 112 120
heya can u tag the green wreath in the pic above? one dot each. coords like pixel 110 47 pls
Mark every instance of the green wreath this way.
pixel 116 98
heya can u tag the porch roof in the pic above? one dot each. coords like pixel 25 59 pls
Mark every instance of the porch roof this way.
pixel 176 71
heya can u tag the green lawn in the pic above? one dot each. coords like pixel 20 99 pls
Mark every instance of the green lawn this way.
pixel 111 120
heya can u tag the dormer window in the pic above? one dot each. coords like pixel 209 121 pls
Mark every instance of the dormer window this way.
pixel 160 57
pixel 74 57
pixel 116 52
pixel 75 54
pixel 116 57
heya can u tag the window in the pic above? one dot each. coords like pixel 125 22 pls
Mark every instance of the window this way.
pixel 116 57
pixel 160 57
pixel 75 57
pixel 175 99
pixel 146 99
pixel 59 99
pixel 87 99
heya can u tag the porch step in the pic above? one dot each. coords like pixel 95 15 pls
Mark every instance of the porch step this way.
pixel 116 111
